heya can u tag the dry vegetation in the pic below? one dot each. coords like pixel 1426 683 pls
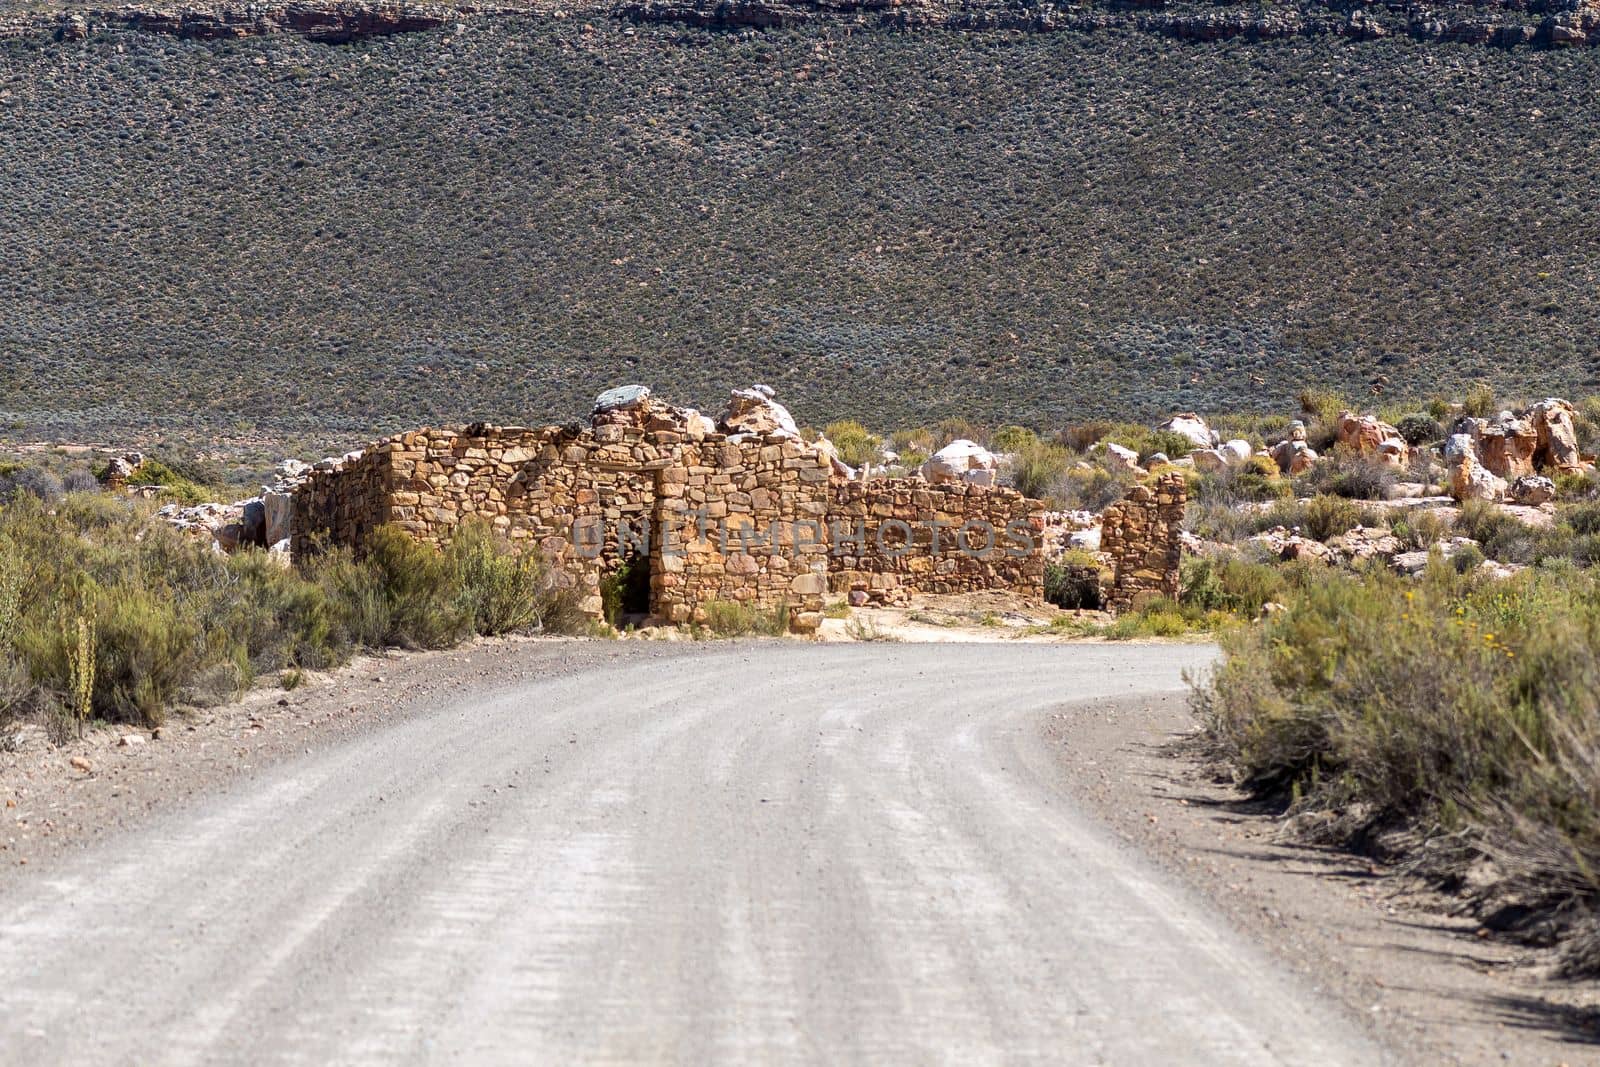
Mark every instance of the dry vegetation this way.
pixel 108 614
pixel 223 238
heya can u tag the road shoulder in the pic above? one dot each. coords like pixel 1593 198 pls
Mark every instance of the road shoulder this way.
pixel 1420 979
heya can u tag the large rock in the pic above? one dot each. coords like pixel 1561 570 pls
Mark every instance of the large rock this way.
pixel 1531 490
pixel 1237 452
pixel 1193 427
pixel 960 461
pixel 1370 436
pixel 1505 444
pixel 279 508
pixel 1294 457
pixel 122 468
pixel 1469 479
pixel 1208 459
pixel 755 411
pixel 1121 456
pixel 1557 447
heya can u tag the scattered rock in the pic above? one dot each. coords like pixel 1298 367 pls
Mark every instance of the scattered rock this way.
pixel 960 461
pixel 78 763
pixel 1531 490
pixel 754 410
pixel 130 740
pixel 1193 427
pixel 1365 543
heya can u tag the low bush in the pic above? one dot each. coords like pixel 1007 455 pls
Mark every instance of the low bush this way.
pixel 1501 536
pixel 1232 585
pixel 729 618
pixel 1419 428
pixel 1347 474
pixel 1453 703
pixel 1329 516
pixel 1037 467
pixel 1072 582
pixel 109 613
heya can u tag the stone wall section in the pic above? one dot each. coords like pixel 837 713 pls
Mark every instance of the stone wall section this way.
pixel 749 518
pixel 887 566
pixel 1141 535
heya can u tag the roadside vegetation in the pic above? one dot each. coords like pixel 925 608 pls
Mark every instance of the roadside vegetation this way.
pixel 1453 719
pixel 107 613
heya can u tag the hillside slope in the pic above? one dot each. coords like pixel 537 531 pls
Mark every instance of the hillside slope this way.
pixel 499 219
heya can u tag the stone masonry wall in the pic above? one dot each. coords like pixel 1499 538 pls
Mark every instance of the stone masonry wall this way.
pixel 887 564
pixel 1141 534
pixel 589 498
pixel 749 518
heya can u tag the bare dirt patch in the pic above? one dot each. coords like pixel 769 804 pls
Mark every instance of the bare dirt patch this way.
pixel 1423 978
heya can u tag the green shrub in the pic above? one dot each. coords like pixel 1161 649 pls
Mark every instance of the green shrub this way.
pixel 500 590
pixel 1480 402
pixel 1037 467
pixel 1419 428
pixel 1453 700
pixel 728 618
pixel 855 445
pixel 1328 516
pixel 1012 438
pixel 1232 585
pixel 1501 536
pixel 1347 474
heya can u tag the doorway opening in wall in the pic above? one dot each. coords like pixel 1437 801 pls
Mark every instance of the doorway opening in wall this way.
pixel 625 592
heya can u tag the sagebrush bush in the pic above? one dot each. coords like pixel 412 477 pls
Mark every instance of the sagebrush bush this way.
pixel 728 618
pixel 1349 474
pixel 856 445
pixel 1229 584
pixel 1434 703
pixel 1326 516
pixel 170 621
pixel 1037 466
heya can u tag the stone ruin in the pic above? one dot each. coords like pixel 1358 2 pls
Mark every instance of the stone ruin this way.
pixel 1142 536
pixel 741 510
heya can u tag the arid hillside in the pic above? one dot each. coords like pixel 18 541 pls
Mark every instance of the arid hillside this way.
pixel 498 218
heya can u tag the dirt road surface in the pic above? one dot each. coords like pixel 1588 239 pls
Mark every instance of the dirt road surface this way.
pixel 762 853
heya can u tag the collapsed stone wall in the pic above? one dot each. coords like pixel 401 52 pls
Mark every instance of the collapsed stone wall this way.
pixel 1141 535
pixel 593 499
pixel 950 538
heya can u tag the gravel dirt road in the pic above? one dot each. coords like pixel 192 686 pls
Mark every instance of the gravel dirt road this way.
pixel 763 853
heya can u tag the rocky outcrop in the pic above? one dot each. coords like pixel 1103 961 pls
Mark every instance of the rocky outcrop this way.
pixel 960 461
pixel 1368 435
pixel 755 411
pixel 337 22
pixel 1557 447
pixel 1509 24
pixel 1505 443
pixel 1470 479
pixel 1294 455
